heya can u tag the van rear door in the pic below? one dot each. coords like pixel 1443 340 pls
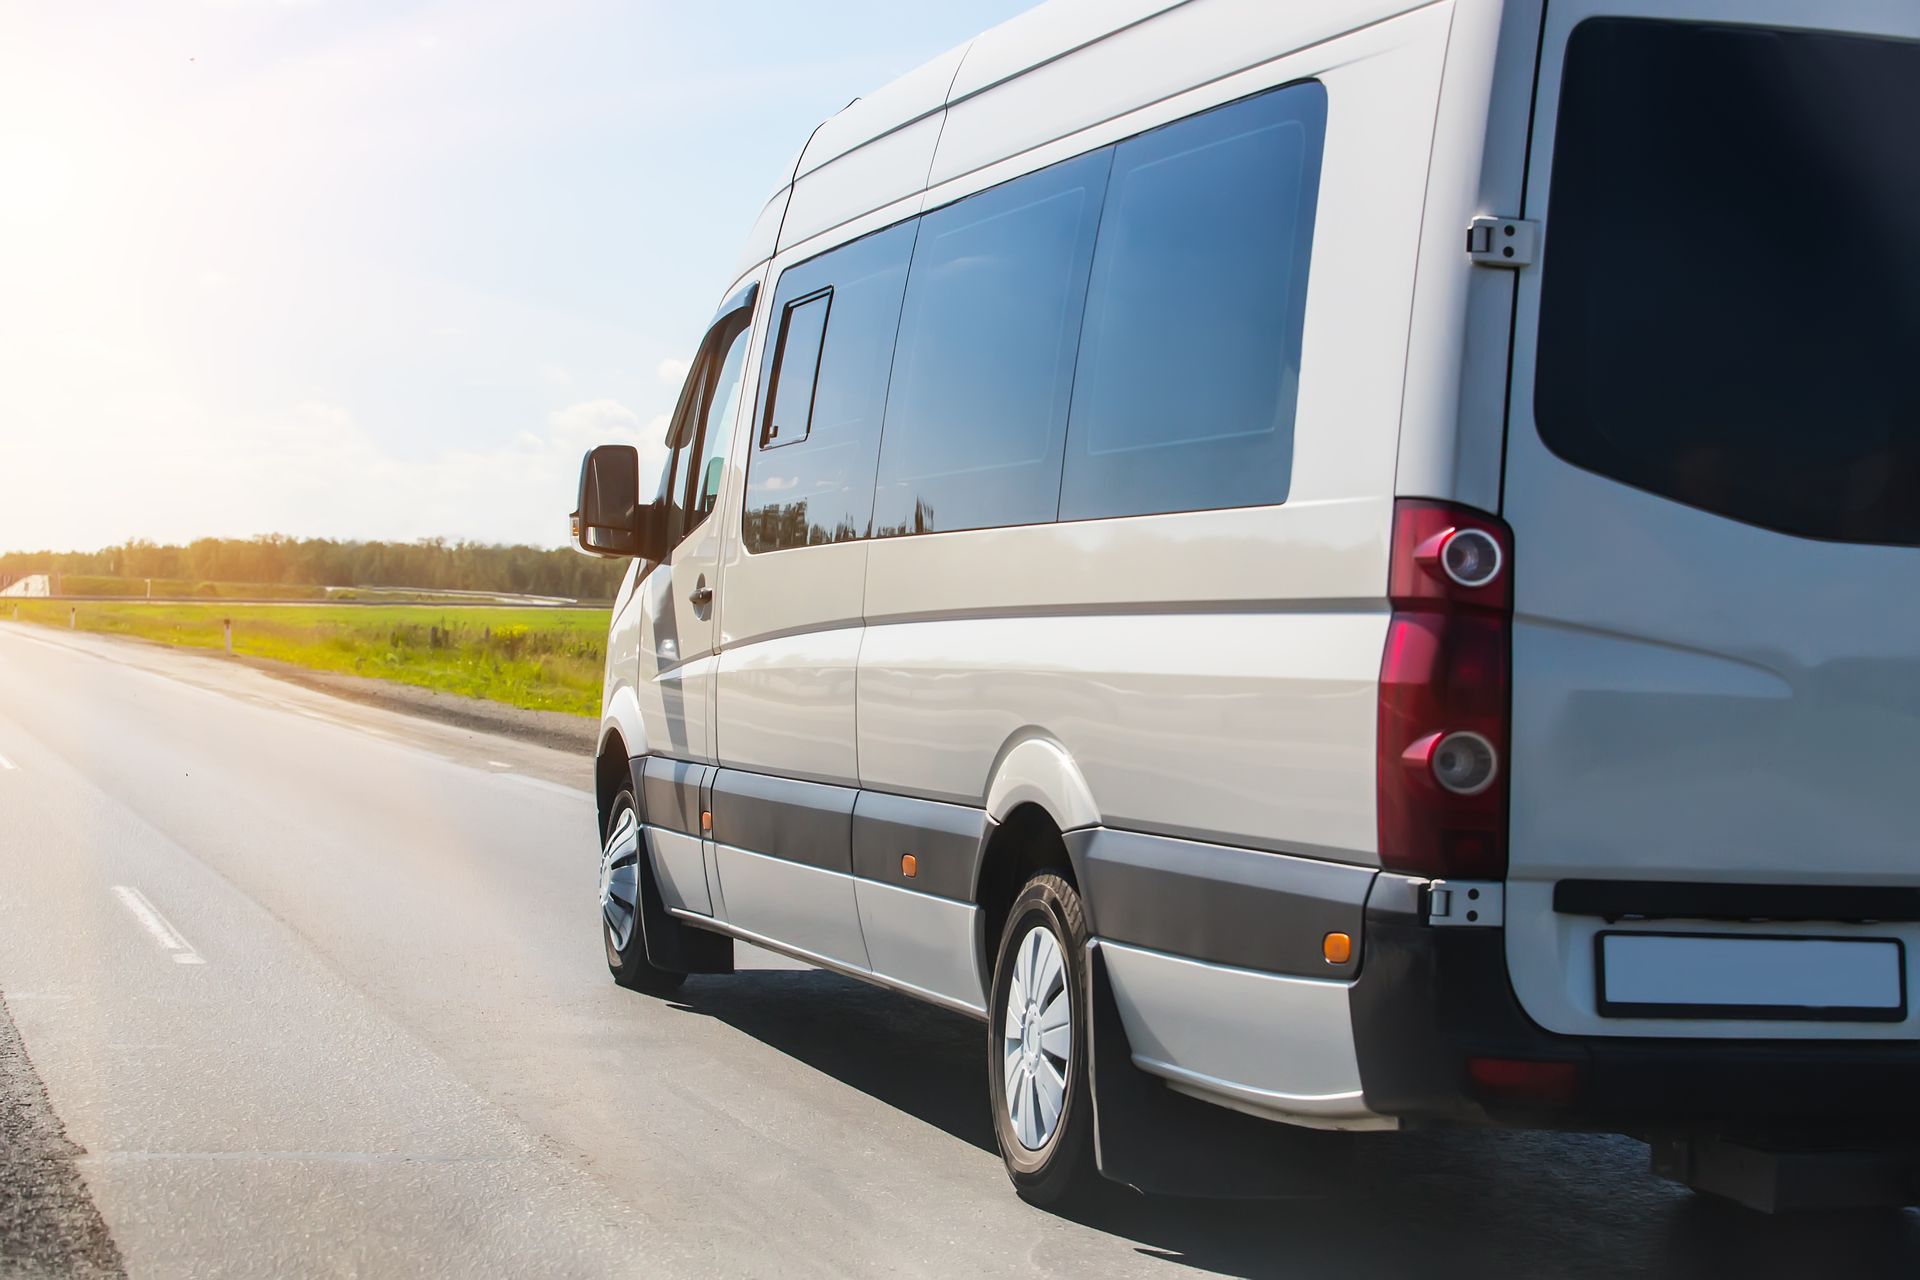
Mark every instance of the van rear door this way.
pixel 1713 479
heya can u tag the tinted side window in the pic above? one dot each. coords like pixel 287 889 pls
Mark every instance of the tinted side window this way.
pixel 1730 297
pixel 1190 362
pixel 681 429
pixel 983 374
pixel 716 428
pixel 820 488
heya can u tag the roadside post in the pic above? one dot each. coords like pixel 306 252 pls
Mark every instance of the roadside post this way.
pixel 227 625
pixel 73 619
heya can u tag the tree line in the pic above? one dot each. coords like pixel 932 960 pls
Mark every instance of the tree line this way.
pixel 432 563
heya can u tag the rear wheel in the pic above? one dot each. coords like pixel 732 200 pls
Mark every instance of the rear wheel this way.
pixel 1038 1040
pixel 621 886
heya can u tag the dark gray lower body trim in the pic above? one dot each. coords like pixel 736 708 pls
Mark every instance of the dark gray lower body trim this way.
pixel 670 794
pixel 1240 907
pixel 805 822
pixel 1216 903
pixel 946 841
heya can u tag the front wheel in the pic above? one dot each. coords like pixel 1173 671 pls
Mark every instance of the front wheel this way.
pixel 1038 1038
pixel 621 886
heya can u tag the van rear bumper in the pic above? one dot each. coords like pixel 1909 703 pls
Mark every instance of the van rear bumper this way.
pixel 1429 1001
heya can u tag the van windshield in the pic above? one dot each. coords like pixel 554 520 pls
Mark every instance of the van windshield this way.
pixel 1730 303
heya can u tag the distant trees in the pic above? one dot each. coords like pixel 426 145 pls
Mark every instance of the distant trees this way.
pixel 432 563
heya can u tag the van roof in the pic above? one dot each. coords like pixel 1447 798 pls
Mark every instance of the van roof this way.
pixel 1110 50
pixel 1025 41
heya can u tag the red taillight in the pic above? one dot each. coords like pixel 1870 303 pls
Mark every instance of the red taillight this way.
pixel 1441 752
pixel 1524 1080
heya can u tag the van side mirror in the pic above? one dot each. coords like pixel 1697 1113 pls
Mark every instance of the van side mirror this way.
pixel 610 519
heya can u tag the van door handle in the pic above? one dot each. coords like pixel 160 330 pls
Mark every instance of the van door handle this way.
pixel 701 595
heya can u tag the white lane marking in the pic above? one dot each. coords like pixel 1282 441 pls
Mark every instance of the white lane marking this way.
pixel 277 704
pixel 555 788
pixel 156 924
pixel 500 764
pixel 7 764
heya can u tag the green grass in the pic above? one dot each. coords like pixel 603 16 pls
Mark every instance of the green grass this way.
pixel 92 584
pixel 546 659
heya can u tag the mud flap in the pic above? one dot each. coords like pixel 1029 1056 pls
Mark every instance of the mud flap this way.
pixel 1166 1143
pixel 671 943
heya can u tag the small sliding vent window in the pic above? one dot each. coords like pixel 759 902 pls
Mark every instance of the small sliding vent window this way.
pixel 796 366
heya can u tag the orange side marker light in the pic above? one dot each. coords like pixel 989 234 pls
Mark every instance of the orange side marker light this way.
pixel 909 865
pixel 1337 948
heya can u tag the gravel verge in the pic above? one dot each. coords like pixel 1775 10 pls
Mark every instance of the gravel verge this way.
pixel 554 729
pixel 48 1223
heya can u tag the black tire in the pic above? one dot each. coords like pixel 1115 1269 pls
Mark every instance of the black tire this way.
pixel 623 874
pixel 1060 1169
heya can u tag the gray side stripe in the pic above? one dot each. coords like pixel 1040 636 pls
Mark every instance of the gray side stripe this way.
pixel 1233 906
pixel 1230 906
pixel 945 839
pixel 671 794
pixel 805 822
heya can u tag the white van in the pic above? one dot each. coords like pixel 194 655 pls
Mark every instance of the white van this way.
pixel 1352 564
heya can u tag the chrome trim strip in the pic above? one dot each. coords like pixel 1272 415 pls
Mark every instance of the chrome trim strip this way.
pixel 832 966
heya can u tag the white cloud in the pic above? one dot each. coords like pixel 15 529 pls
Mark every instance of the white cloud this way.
pixel 673 371
pixel 554 374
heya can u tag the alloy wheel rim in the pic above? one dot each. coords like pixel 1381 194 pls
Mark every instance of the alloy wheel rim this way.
pixel 1037 1038
pixel 620 880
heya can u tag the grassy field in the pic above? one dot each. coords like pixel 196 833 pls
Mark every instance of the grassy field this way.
pixel 546 659
pixel 91 584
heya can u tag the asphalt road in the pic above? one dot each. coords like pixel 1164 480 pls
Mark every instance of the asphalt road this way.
pixel 315 988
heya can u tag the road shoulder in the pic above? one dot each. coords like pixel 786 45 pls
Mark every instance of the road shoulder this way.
pixel 556 729
pixel 48 1222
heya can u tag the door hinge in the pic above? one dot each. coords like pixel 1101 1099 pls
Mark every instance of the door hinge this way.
pixel 1480 903
pixel 1502 242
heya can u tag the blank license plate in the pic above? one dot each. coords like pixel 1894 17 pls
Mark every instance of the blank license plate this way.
pixel 1673 975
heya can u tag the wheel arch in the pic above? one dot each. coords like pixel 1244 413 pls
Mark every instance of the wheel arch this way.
pixel 1034 768
pixel 1025 845
pixel 1035 797
pixel 622 735
pixel 613 772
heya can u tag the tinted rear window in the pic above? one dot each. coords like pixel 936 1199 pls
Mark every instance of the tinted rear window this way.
pixel 1730 303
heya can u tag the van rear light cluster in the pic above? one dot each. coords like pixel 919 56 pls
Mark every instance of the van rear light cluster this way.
pixel 1443 726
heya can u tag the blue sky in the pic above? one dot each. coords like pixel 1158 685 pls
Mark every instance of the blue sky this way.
pixel 378 269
